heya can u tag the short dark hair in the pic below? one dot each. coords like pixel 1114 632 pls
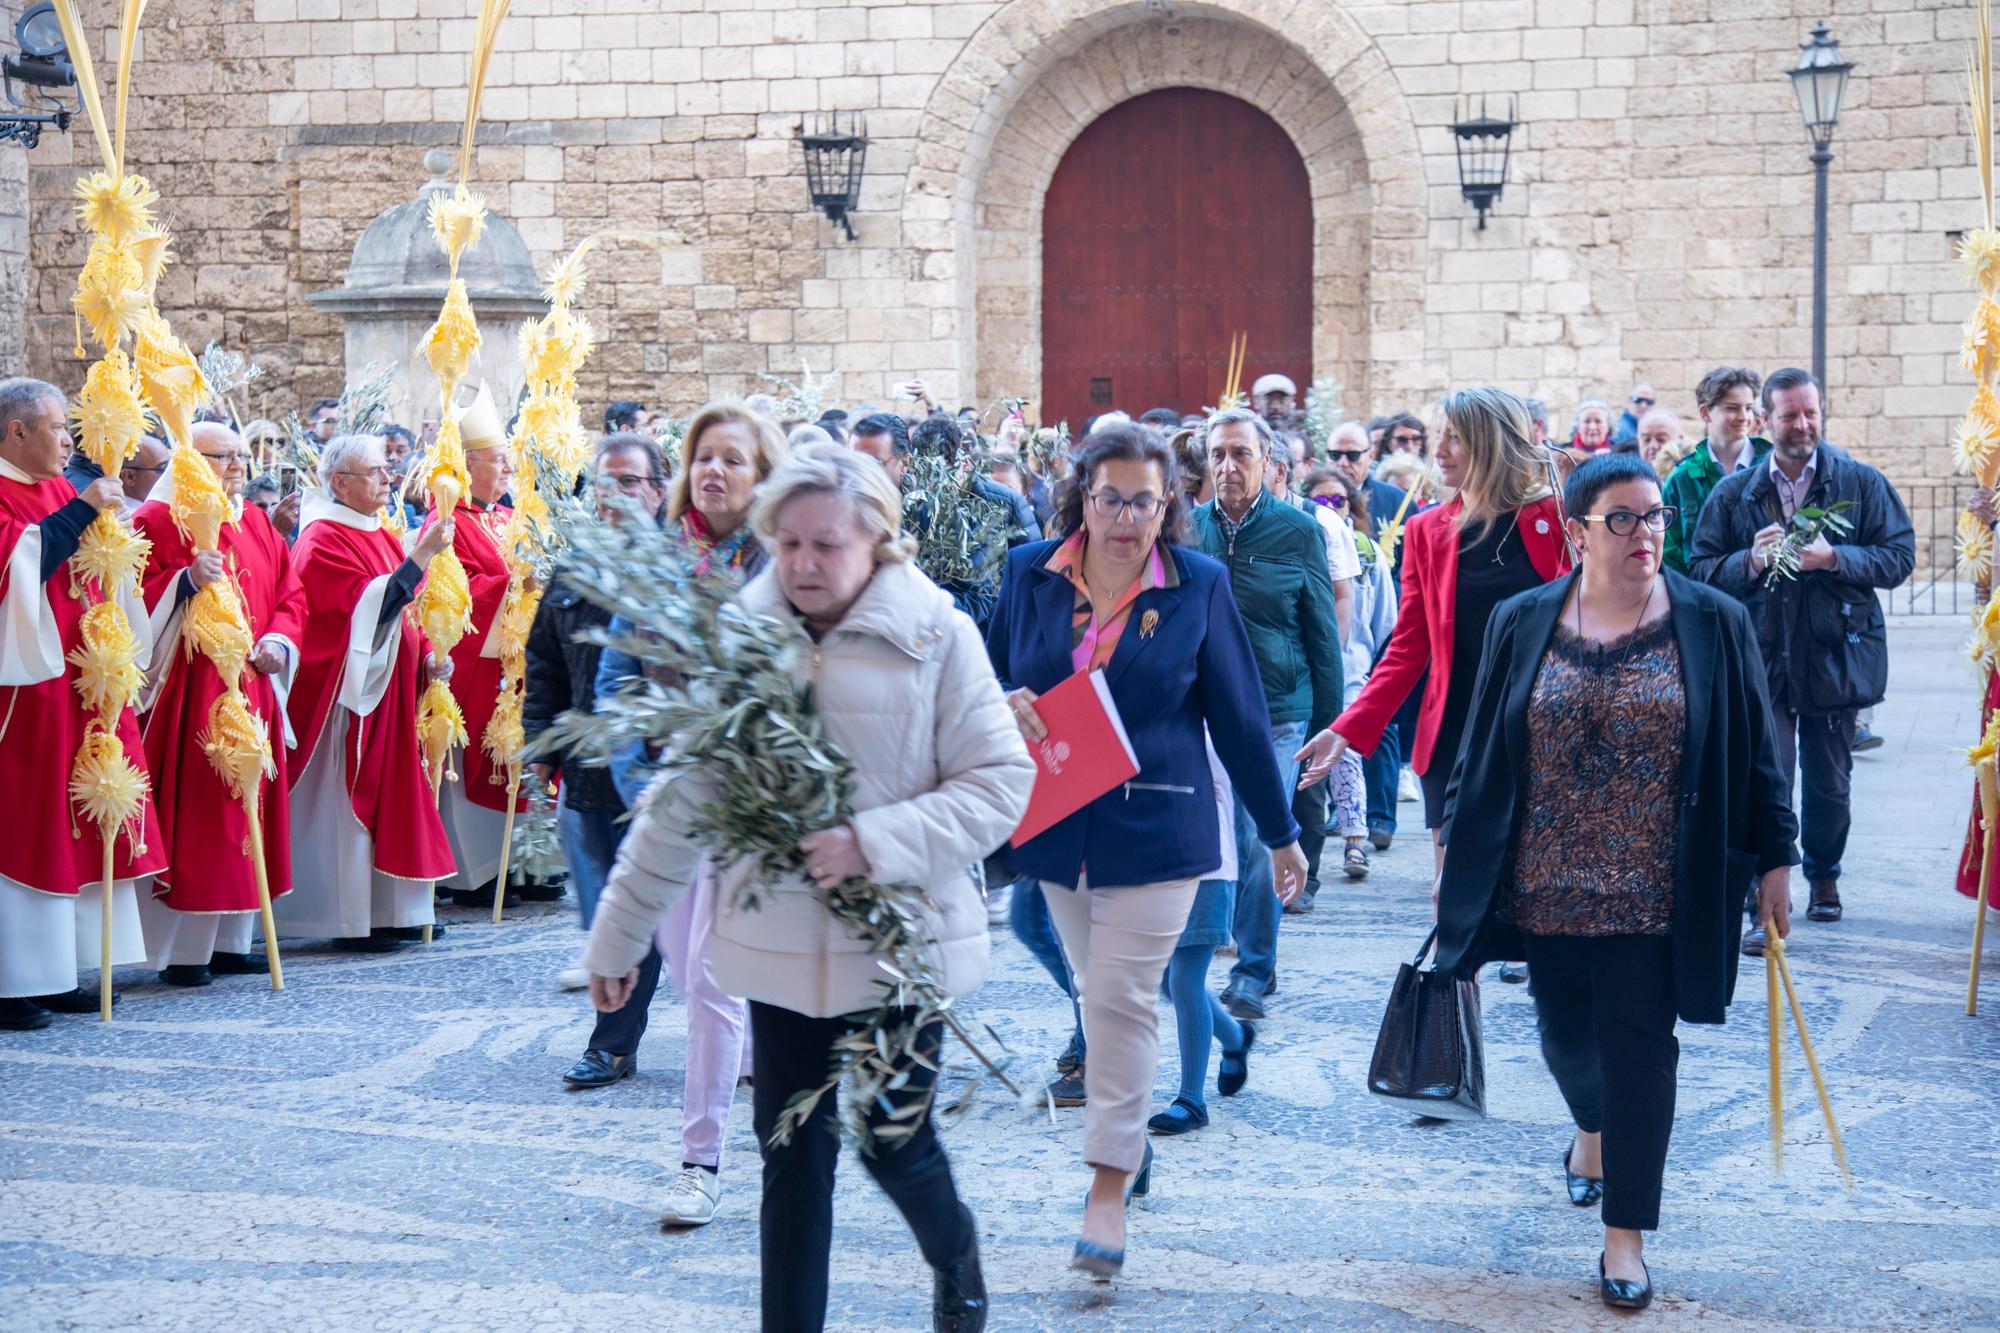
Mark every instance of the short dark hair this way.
pixel 402 433
pixel 832 414
pixel 619 440
pixel 1598 474
pixel 1720 381
pixel 1390 426
pixel 1791 377
pixel 940 435
pixel 261 483
pixel 622 415
pixel 322 405
pixel 1164 417
pixel 889 424
pixel 1123 442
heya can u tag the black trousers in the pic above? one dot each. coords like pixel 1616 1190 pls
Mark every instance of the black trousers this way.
pixel 795 1224
pixel 1819 751
pixel 1606 1009
pixel 618 1032
pixel 1309 808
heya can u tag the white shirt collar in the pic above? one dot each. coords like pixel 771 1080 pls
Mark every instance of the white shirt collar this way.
pixel 318 504
pixel 12 473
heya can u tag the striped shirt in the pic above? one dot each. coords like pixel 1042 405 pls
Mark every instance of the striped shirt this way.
pixel 1093 639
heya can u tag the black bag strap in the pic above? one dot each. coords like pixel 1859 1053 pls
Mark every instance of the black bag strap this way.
pixel 1425 948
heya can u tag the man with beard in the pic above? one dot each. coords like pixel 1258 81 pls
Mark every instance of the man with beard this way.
pixel 1826 652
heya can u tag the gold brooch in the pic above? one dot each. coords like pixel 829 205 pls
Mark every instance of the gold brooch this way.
pixel 1148 623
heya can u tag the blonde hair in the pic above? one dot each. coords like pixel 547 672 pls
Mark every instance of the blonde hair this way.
pixel 1504 471
pixel 828 469
pixel 767 448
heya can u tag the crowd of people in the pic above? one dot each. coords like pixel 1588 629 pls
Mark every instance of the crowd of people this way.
pixel 1596 662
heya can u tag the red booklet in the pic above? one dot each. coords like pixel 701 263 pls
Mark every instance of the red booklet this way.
pixel 1085 754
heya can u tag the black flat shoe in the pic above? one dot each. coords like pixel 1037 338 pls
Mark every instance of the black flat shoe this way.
pixel 410 934
pixel 1583 1190
pixel 958 1290
pixel 1619 1294
pixel 238 964
pixel 23 1015
pixel 600 1069
pixel 71 1001
pixel 1181 1118
pixel 1234 1070
pixel 1513 973
pixel 373 942
pixel 185 974
pixel 533 893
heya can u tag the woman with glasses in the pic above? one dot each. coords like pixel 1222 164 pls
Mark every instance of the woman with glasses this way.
pixel 1621 766
pixel 1116 592
pixel 1499 536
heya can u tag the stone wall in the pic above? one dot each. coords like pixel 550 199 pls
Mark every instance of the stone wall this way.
pixel 1657 218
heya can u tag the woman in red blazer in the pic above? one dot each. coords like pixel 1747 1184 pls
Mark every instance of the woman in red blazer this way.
pixel 1501 535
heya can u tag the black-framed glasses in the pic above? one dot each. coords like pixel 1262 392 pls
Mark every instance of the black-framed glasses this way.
pixel 1405 437
pixel 1142 508
pixel 1637 401
pixel 629 485
pixel 1623 522
pixel 1346 455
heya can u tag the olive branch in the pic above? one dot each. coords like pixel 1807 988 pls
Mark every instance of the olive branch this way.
pixel 1806 527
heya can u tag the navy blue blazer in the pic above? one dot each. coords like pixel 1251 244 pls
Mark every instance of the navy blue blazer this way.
pixel 1195 667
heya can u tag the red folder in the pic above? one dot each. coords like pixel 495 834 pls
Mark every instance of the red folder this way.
pixel 1084 755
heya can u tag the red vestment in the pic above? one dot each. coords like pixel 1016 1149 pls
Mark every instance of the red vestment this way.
pixel 475 662
pixel 208 833
pixel 47 845
pixel 386 782
pixel 1975 832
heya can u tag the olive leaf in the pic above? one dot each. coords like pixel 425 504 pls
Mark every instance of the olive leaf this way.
pixel 1806 527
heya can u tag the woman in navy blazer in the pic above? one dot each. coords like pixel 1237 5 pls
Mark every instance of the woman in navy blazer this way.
pixel 1116 592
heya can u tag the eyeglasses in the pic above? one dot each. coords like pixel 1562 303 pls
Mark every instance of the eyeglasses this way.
pixel 1637 401
pixel 1405 437
pixel 1331 501
pixel 629 485
pixel 1623 522
pixel 134 467
pixel 239 456
pixel 1142 508
pixel 1346 455
pixel 383 472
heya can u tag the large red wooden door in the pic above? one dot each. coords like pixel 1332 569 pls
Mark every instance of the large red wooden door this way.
pixel 1174 221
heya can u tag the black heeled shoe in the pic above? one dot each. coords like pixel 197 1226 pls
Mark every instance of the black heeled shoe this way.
pixel 1583 1190
pixel 1233 1070
pixel 958 1290
pixel 1619 1294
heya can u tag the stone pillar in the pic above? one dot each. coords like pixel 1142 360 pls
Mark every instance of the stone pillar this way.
pixel 13 232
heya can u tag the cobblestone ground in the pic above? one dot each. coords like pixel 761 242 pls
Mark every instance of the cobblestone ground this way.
pixel 387 1145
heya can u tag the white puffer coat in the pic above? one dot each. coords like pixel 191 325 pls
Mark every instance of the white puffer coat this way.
pixel 907 692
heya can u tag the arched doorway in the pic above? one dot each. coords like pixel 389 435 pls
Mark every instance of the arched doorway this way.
pixel 1174 221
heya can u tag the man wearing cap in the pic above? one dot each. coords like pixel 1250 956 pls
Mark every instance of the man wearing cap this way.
pixel 1276 399
pixel 475 806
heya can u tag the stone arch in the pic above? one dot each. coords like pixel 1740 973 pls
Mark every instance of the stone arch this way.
pixel 1039 71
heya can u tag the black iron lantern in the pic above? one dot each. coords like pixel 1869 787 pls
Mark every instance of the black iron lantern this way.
pixel 1819 79
pixel 1483 145
pixel 43 64
pixel 835 147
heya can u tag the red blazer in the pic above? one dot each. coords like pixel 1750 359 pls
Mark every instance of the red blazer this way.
pixel 1423 634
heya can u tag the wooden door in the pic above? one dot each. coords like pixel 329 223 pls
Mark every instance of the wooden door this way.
pixel 1174 221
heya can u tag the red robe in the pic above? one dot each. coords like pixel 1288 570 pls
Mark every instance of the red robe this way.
pixel 208 834
pixel 386 782
pixel 47 846
pixel 1975 832
pixel 475 671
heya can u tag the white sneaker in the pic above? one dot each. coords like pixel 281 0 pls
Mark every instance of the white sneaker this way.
pixel 692 1200
pixel 998 906
pixel 573 978
pixel 1407 788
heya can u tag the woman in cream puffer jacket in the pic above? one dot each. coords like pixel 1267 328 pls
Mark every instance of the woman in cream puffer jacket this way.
pixel 906 690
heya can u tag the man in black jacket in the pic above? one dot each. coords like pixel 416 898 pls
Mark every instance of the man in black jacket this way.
pixel 1821 631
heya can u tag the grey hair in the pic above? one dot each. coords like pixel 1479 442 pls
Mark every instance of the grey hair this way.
pixel 1597 403
pixel 21 396
pixel 808 434
pixel 1538 411
pixel 825 469
pixel 1232 416
pixel 341 450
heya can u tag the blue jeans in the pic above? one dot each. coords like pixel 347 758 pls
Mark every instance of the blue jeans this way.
pixel 1199 1018
pixel 1257 910
pixel 1028 913
pixel 1380 772
pixel 590 841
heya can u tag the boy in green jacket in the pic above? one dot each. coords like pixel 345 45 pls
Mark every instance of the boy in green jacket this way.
pixel 1727 397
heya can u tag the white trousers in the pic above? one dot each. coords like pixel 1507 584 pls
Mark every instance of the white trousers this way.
pixel 47 938
pixel 192 939
pixel 336 891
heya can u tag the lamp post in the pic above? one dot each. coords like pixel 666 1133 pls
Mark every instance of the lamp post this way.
pixel 1483 144
pixel 1819 79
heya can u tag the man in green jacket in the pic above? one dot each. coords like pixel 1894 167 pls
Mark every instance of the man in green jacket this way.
pixel 1277 570
pixel 1727 397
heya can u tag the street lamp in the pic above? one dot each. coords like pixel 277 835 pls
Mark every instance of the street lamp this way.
pixel 1483 145
pixel 43 64
pixel 1819 79
pixel 835 148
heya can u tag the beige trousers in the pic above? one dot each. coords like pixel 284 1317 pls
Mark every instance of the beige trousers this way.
pixel 1118 942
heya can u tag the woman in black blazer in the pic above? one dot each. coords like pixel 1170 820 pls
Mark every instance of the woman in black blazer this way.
pixel 1620 768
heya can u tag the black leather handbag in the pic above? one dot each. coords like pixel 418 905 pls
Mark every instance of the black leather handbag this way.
pixel 1428 1058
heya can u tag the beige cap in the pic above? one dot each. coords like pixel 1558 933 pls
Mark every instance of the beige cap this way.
pixel 1273 384
pixel 479 424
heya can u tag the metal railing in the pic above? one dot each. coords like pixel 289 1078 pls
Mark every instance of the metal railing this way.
pixel 1935 588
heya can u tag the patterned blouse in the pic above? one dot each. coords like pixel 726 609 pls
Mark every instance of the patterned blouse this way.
pixel 1093 640
pixel 1607 725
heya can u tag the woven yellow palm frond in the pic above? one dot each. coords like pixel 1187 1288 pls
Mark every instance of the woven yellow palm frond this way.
pixel 566 277
pixel 111 292
pixel 447 481
pixel 107 673
pixel 444 606
pixel 117 208
pixel 394 520
pixel 1975 548
pixel 110 553
pixel 170 377
pixel 238 745
pixel 154 251
pixel 1972 443
pixel 106 787
pixel 1977 348
pixel 1989 742
pixel 201 508
pixel 440 724
pixel 457 220
pixel 1979 252
pixel 452 340
pixel 504 738
pixel 216 626
pixel 108 414
pixel 516 618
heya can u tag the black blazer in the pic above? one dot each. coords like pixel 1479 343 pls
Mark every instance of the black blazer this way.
pixel 1735 812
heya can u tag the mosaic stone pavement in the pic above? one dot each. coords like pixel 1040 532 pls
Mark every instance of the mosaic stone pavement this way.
pixel 387 1145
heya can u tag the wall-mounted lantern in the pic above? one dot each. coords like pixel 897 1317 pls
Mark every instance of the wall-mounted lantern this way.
pixel 1483 145
pixel 835 148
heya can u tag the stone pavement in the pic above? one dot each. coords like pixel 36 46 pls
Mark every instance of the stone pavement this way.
pixel 387 1145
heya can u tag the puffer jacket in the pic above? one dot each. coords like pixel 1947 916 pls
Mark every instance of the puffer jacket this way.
pixel 942 777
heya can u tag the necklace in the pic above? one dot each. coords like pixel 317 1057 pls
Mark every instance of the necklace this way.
pixel 1631 638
